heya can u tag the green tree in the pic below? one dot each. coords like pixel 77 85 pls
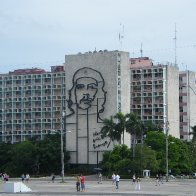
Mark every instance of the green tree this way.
pixel 5 157
pixel 49 154
pixel 117 159
pixel 22 158
pixel 134 126
pixel 178 152
pixel 145 158
pixel 121 123
pixel 109 130
pixel 120 160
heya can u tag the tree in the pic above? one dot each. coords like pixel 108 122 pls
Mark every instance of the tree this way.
pixel 134 126
pixel 22 158
pixel 109 130
pixel 117 159
pixel 5 156
pixel 121 123
pixel 33 157
pixel 145 158
pixel 178 152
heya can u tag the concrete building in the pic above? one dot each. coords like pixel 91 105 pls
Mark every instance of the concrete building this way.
pixel 98 86
pixel 31 103
pixel 155 93
pixel 187 101
pixel 88 88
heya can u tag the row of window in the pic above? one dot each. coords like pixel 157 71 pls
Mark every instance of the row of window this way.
pixel 160 70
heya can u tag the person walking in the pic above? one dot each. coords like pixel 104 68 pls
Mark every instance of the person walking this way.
pixel 82 180
pixel 133 179
pixel 157 180
pixel 100 178
pixel 53 178
pixel 113 178
pixel 161 178
pixel 137 187
pixel 117 179
pixel 22 177
pixel 78 183
pixel 27 177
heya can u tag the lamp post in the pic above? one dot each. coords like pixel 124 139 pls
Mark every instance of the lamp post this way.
pixel 166 141
pixel 62 149
pixel 63 131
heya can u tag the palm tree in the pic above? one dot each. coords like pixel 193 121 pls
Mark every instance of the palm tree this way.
pixel 193 133
pixel 135 127
pixel 109 130
pixel 121 123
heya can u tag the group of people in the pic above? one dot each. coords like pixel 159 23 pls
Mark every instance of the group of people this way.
pixel 80 183
pixel 116 180
pixel 136 182
pixel 4 177
pixel 159 179
pixel 25 177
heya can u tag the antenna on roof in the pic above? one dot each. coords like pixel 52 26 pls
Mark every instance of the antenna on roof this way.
pixel 121 35
pixel 141 50
pixel 175 46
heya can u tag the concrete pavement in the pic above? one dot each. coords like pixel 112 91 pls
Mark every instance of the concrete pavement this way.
pixel 46 187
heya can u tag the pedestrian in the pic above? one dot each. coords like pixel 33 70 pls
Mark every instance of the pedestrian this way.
pixel 137 187
pixel 1 176
pixel 82 180
pixel 27 177
pixel 22 177
pixel 161 178
pixel 78 183
pixel 117 179
pixel 53 178
pixel 100 178
pixel 6 177
pixel 113 178
pixel 157 180
pixel 133 179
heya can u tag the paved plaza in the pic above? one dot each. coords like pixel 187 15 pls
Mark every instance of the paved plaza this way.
pixel 46 187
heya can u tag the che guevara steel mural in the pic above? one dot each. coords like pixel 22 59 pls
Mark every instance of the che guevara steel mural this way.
pixel 86 99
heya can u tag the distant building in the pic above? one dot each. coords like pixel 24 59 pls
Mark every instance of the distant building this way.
pixel 88 88
pixel 155 93
pixel 187 101
pixel 31 103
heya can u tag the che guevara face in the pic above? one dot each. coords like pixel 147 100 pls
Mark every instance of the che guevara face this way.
pixel 85 91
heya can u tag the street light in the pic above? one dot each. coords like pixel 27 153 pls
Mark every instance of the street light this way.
pixel 166 140
pixel 63 131
pixel 62 149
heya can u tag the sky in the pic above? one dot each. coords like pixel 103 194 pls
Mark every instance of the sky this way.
pixel 39 33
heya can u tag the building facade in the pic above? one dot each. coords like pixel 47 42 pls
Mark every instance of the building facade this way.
pixel 88 88
pixel 155 94
pixel 187 101
pixel 31 103
pixel 98 86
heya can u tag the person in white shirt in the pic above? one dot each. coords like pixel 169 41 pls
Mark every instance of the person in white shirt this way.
pixel 113 178
pixel 117 179
pixel 100 178
pixel 27 177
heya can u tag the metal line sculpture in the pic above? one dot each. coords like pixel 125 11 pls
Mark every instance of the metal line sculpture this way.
pixel 87 90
